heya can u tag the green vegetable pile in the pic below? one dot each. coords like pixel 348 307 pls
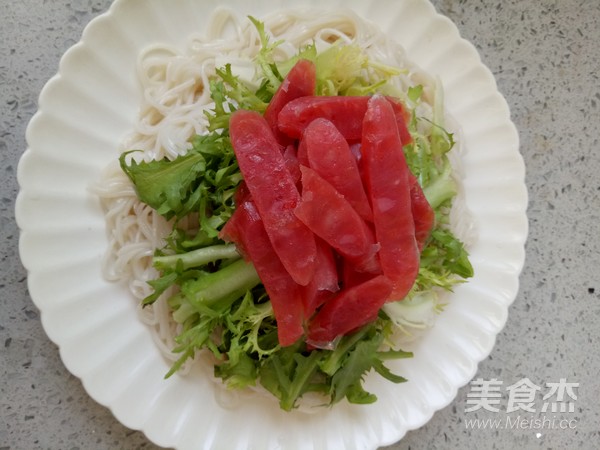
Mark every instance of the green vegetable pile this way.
pixel 219 301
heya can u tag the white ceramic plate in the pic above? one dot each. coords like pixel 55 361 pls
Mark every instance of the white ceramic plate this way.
pixel 92 102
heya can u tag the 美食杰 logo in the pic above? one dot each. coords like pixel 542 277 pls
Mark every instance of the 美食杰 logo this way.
pixel 528 405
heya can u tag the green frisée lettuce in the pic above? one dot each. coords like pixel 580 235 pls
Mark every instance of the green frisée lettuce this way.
pixel 341 69
pixel 427 155
pixel 216 296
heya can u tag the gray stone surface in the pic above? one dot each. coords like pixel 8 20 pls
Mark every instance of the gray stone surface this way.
pixel 544 54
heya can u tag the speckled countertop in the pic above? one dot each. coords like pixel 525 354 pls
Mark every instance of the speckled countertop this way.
pixel 545 55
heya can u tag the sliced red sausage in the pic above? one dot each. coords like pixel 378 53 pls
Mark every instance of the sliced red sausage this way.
pixel 388 184
pixel 423 214
pixel 330 156
pixel 301 80
pixel 331 217
pixel 274 192
pixel 350 309
pixel 345 112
